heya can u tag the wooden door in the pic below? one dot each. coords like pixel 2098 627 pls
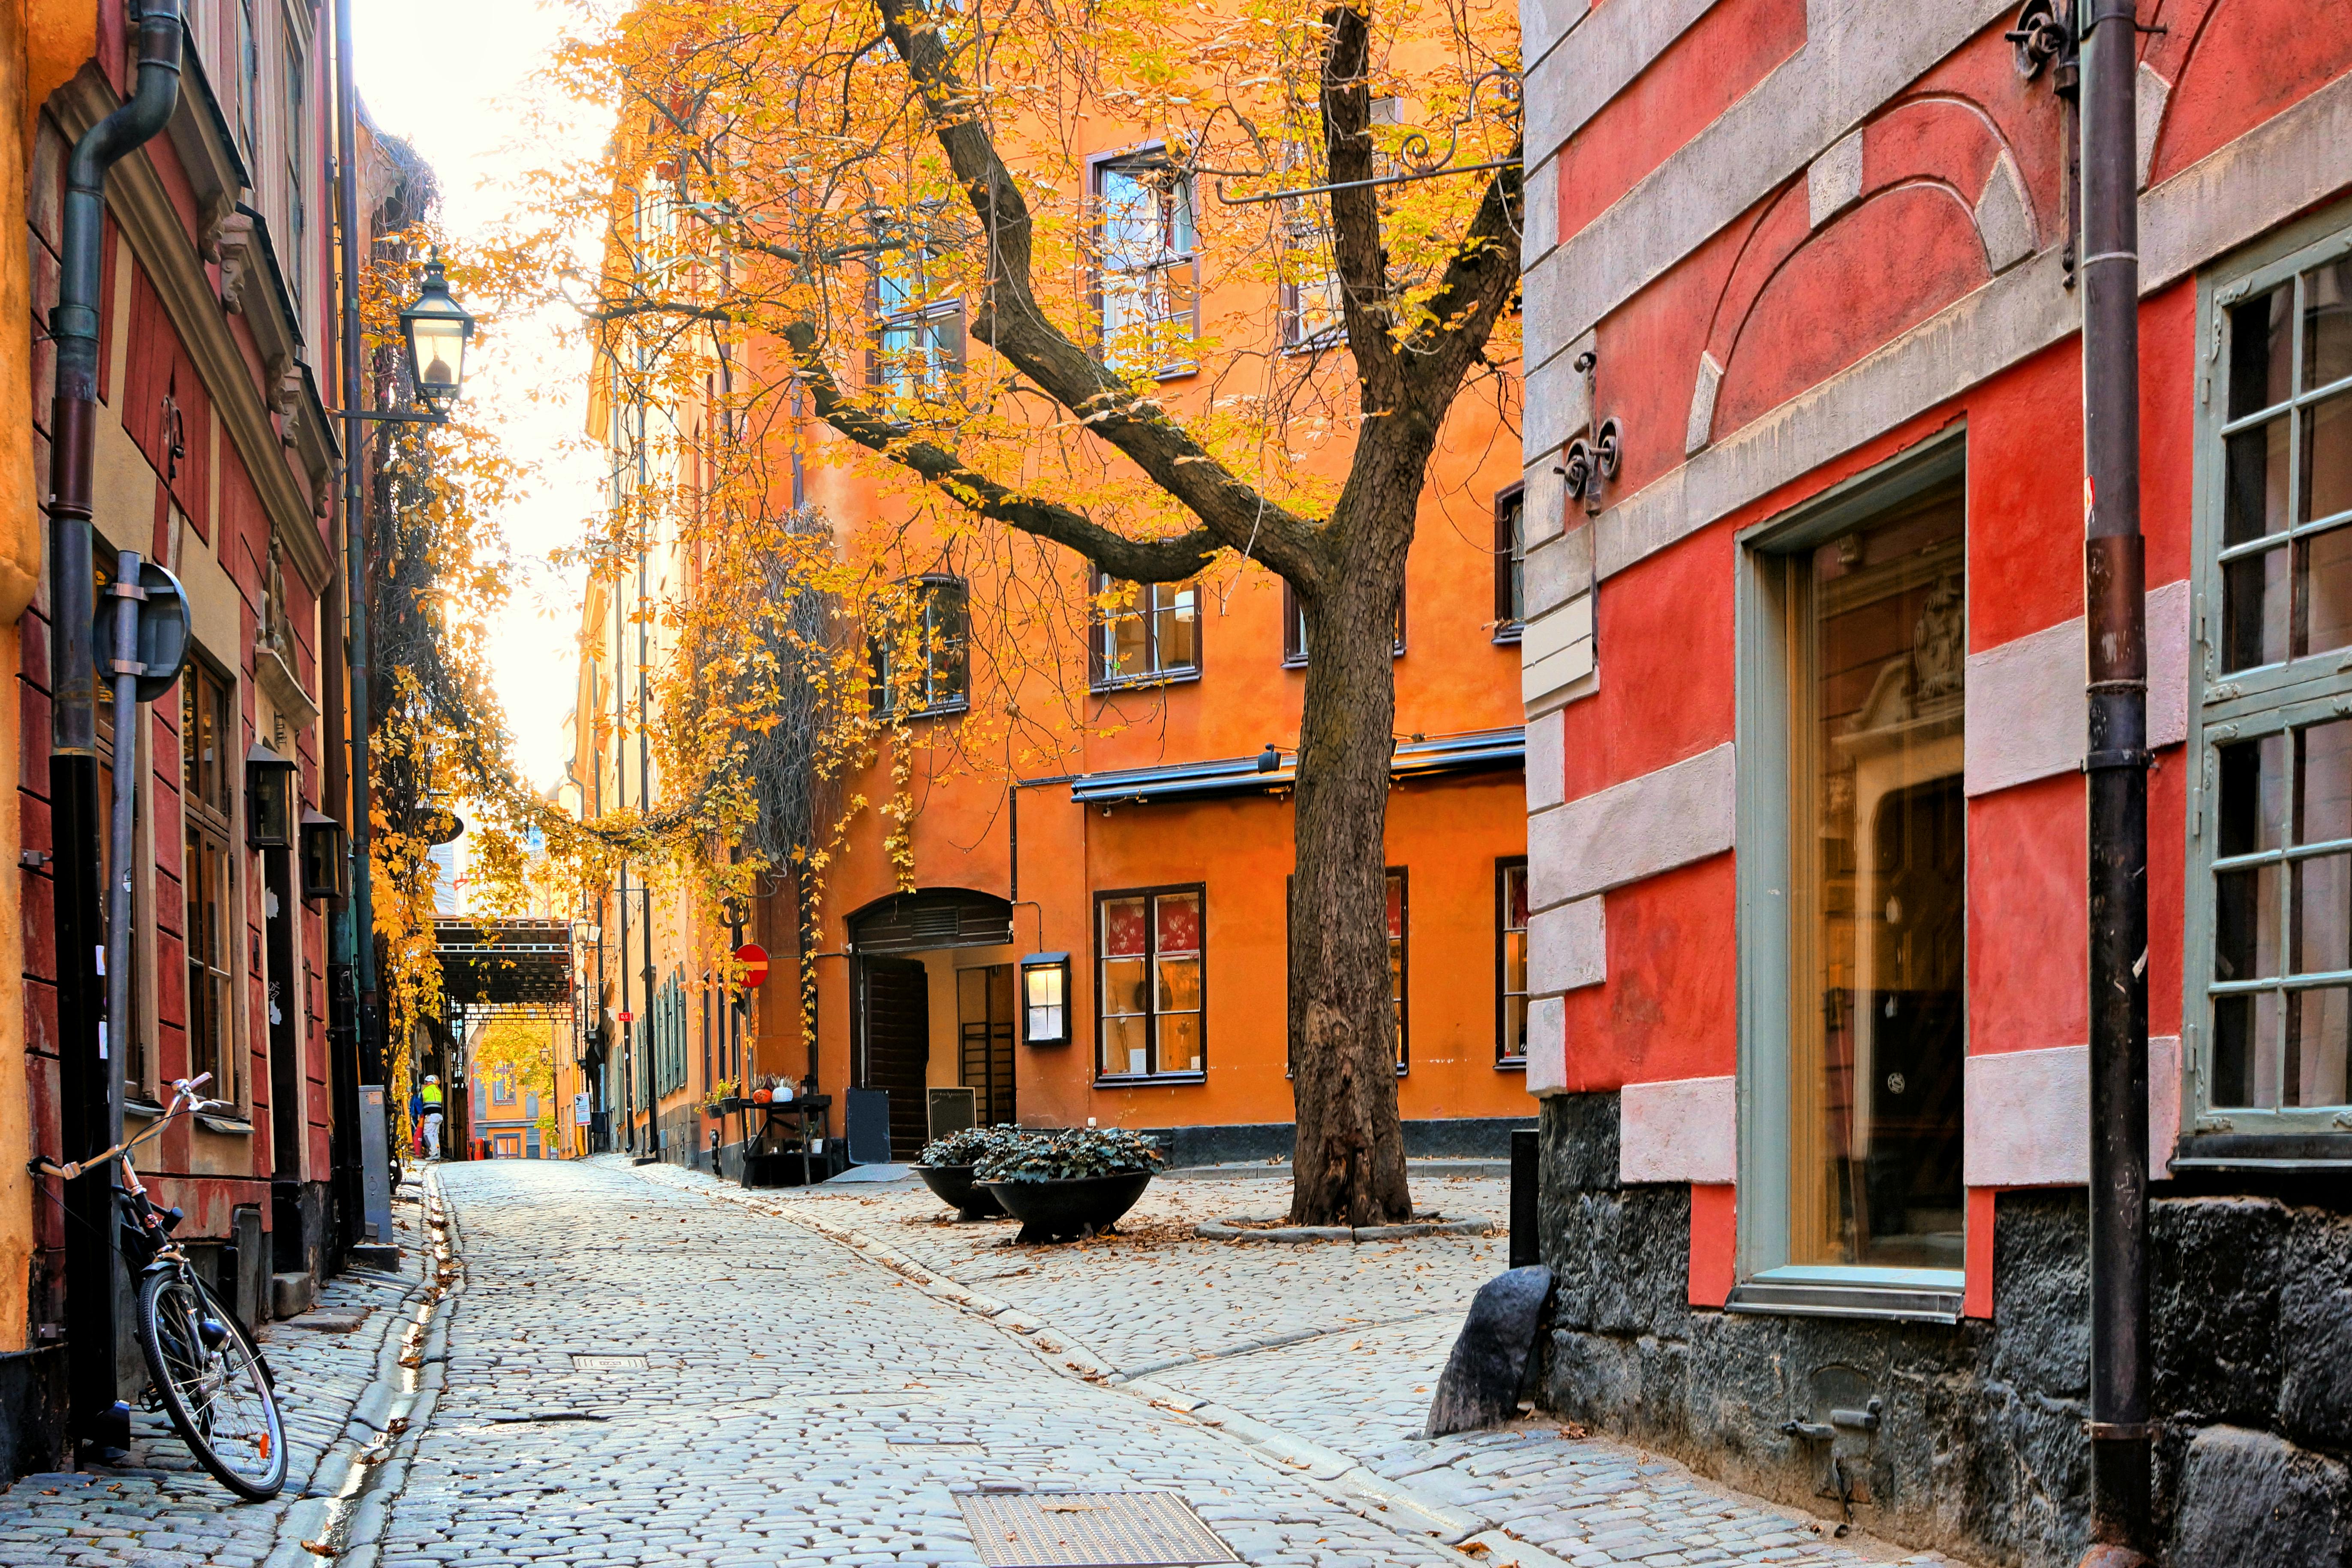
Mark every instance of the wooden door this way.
pixel 984 1032
pixel 897 1028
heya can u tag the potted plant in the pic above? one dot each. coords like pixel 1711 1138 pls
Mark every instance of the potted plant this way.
pixel 1066 1185
pixel 946 1167
pixel 721 1102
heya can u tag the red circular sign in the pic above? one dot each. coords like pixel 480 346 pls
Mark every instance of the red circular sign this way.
pixel 754 959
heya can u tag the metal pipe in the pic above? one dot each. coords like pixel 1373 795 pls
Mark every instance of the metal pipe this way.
pixel 89 1108
pixel 2115 600
pixel 644 761
pixel 122 658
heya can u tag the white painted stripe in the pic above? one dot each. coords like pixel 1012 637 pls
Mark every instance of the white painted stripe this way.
pixel 2026 718
pixel 1686 1130
pixel 1547 1046
pixel 2028 1115
pixel 1679 813
pixel 1568 947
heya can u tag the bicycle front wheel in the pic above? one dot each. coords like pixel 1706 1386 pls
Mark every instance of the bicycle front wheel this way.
pixel 212 1384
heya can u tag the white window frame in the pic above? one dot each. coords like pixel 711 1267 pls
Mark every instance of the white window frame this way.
pixel 2239 705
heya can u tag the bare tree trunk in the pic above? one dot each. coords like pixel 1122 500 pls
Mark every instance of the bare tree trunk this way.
pixel 1348 1163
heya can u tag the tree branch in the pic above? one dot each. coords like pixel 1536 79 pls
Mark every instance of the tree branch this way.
pixel 1009 318
pixel 1471 295
pixel 1130 559
pixel 1356 251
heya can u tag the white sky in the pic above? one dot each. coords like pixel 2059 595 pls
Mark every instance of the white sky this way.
pixel 450 77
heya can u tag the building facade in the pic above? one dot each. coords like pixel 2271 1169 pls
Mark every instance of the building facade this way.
pixel 1804 683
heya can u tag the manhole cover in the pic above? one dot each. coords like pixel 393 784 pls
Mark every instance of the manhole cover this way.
pixel 1088 1529
pixel 607 1363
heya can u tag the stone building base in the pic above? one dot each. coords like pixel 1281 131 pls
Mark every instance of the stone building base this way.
pixel 1979 1449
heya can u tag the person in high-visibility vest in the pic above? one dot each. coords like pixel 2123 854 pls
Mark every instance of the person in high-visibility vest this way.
pixel 432 1116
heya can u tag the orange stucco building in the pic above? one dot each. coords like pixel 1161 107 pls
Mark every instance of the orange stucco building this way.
pixel 1150 849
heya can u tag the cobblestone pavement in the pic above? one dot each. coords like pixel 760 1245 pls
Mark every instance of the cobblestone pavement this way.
pixel 160 1509
pixel 1326 1353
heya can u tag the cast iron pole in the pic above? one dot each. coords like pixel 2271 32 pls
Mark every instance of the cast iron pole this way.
pixel 2116 765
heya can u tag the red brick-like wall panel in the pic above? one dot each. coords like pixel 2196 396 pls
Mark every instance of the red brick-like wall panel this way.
pixel 2234 64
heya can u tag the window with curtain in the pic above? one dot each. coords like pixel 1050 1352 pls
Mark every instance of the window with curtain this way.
pixel 1149 946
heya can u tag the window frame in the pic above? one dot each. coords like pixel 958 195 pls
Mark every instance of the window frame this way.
pixel 925 590
pixel 1293 628
pixel 924 315
pixel 1099 643
pixel 1101 167
pixel 2246 704
pixel 1151 895
pixel 208 836
pixel 1510 563
pixel 1505 866
pixel 1766 1280
pixel 1401 945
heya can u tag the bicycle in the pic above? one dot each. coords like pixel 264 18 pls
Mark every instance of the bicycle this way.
pixel 204 1372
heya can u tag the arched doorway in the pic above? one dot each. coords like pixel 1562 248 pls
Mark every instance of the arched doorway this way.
pixel 895 1044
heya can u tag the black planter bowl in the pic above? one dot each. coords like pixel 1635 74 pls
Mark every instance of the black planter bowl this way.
pixel 1069 1208
pixel 953 1185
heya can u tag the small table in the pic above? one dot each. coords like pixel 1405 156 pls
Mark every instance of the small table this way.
pixel 799 1110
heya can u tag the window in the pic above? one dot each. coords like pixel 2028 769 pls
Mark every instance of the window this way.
pixel 1151 943
pixel 298 256
pixel 1396 919
pixel 207 745
pixel 1511 962
pixel 249 82
pixel 1854 864
pixel 917 335
pixel 2272 811
pixel 1510 563
pixel 923 664
pixel 1149 268
pixel 502 1089
pixel 1145 631
pixel 1311 317
pixel 507 1146
pixel 1294 629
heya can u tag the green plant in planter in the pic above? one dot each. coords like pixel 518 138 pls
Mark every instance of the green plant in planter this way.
pixel 967 1147
pixel 1072 1154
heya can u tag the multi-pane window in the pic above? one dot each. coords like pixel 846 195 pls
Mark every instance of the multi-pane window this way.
pixel 1145 631
pixel 923 663
pixel 248 81
pixel 1149 267
pixel 918 333
pixel 1510 562
pixel 1149 945
pixel 1871 645
pixel 297 217
pixel 1294 628
pixel 1396 929
pixel 1511 962
pixel 502 1090
pixel 2274 826
pixel 207 745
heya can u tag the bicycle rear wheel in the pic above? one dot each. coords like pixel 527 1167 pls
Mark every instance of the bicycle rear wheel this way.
pixel 212 1384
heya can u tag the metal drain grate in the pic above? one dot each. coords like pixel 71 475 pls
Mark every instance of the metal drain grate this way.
pixel 1088 1529
pixel 607 1363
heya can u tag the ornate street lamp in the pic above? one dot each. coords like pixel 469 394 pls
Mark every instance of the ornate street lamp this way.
pixel 437 329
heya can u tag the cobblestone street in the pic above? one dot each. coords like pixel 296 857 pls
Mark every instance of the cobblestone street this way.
pixel 823 1375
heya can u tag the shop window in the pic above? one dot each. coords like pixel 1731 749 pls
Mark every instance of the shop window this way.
pixel 208 753
pixel 1144 632
pixel 1294 629
pixel 1511 964
pixel 1855 883
pixel 1148 265
pixel 2271 840
pixel 1150 945
pixel 507 1146
pixel 1510 563
pixel 922 664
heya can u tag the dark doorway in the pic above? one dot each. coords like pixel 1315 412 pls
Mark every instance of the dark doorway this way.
pixel 984 1029
pixel 897 1028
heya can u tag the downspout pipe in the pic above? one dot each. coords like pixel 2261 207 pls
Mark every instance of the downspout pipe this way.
pixel 90 1080
pixel 2114 599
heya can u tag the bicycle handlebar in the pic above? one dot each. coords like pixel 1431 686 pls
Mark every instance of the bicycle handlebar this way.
pixel 184 1097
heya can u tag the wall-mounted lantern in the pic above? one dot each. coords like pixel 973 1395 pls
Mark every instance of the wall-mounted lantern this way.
pixel 326 860
pixel 1046 998
pixel 269 799
pixel 437 329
